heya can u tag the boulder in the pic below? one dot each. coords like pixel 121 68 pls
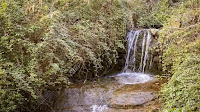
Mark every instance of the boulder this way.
pixel 127 101
pixel 154 31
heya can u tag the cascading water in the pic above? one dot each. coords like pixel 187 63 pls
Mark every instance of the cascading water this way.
pixel 147 49
pixel 132 40
pixel 131 74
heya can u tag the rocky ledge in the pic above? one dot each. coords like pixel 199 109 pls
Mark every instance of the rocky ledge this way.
pixel 136 98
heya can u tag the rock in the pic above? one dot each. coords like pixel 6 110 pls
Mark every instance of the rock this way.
pixel 152 106
pixel 155 110
pixel 125 110
pixel 156 59
pixel 132 96
pixel 149 86
pixel 132 99
pixel 154 31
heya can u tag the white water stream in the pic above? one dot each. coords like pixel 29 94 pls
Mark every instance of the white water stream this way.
pixel 132 41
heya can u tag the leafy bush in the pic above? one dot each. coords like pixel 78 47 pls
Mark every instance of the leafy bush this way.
pixel 157 14
pixel 43 44
pixel 180 44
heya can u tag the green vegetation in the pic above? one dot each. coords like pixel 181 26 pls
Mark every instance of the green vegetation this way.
pixel 180 43
pixel 44 43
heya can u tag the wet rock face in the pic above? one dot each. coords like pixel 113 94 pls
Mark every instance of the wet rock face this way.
pixel 154 32
pixel 150 86
pixel 132 99
pixel 130 96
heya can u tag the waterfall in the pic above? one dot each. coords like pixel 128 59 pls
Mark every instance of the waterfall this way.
pixel 130 44
pixel 135 49
pixel 132 41
pixel 143 43
pixel 147 49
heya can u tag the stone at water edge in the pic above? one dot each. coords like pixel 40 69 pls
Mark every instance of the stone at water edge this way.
pixel 154 31
pixel 131 99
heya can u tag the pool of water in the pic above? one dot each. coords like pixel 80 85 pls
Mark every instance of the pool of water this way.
pixel 117 93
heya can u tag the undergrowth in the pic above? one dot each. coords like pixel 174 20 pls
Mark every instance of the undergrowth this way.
pixel 45 44
pixel 180 41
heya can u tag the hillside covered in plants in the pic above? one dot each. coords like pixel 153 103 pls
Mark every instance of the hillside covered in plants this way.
pixel 49 44
pixel 180 42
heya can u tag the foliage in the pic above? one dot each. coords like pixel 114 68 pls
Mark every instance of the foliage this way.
pixel 44 44
pixel 179 40
pixel 158 13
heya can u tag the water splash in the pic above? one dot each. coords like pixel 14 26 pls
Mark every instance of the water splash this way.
pixel 133 78
pixel 98 108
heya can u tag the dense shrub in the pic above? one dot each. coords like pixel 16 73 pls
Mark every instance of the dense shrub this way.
pixel 180 44
pixel 156 15
pixel 43 44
